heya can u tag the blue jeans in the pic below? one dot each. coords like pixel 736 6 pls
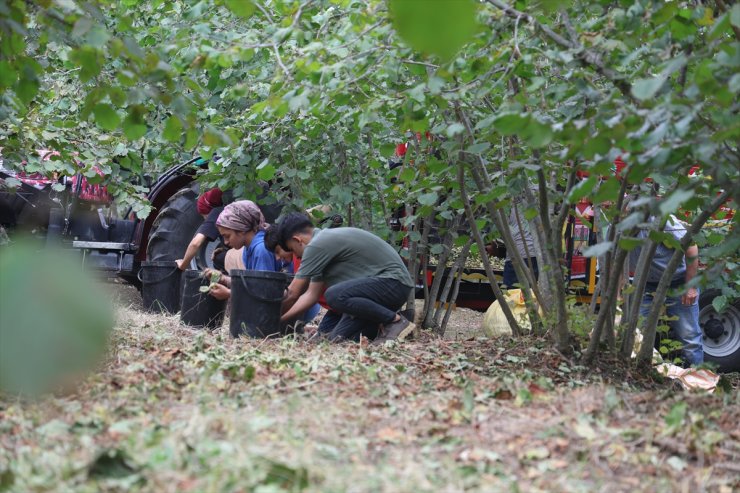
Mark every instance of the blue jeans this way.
pixel 510 278
pixel 686 328
pixel 311 313
pixel 360 305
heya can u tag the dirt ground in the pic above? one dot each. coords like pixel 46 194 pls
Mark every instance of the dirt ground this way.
pixel 174 409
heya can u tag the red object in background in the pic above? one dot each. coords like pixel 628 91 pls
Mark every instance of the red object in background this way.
pixel 619 165
pixel 87 191
pixel 91 193
pixel 402 148
pixel 580 238
pixel 206 202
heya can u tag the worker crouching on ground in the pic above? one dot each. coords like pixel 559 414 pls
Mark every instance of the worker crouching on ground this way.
pixel 242 224
pixel 365 280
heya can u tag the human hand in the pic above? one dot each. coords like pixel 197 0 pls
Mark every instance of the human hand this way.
pixel 180 264
pixel 217 251
pixel 690 297
pixel 220 292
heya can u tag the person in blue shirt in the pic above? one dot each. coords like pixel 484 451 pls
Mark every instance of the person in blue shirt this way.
pixel 242 224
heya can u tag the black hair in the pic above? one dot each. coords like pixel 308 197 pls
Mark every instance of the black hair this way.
pixel 272 237
pixel 291 224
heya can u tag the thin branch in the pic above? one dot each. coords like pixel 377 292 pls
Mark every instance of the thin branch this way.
pixel 414 62
pixel 264 12
pixel 280 61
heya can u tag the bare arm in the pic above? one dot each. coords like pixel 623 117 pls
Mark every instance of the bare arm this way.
pixel 195 244
pixel 304 302
pixel 692 269
pixel 296 288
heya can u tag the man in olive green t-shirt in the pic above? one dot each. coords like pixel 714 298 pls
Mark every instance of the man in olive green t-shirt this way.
pixel 365 280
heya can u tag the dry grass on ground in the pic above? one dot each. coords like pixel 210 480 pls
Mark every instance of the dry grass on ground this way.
pixel 177 410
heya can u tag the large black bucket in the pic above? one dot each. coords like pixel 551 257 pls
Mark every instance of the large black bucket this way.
pixel 160 286
pixel 256 297
pixel 199 309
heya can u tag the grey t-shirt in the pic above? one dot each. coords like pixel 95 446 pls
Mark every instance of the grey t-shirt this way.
pixel 342 254
pixel 663 254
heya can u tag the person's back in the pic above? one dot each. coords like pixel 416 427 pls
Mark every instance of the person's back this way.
pixel 341 254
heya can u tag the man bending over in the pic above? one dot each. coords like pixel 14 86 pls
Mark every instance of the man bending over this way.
pixel 365 280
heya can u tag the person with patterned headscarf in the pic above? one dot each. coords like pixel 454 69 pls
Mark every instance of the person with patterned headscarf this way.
pixel 242 224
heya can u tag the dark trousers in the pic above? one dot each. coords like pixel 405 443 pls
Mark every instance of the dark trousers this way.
pixel 358 306
pixel 510 278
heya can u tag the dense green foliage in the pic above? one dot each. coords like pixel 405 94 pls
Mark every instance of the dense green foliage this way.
pixel 319 92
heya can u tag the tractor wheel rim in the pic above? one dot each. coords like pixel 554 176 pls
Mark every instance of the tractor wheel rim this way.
pixel 728 342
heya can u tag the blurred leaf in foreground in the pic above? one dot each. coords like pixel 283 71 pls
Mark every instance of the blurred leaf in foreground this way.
pixel 54 320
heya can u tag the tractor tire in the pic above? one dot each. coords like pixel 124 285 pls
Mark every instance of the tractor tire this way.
pixel 721 332
pixel 174 227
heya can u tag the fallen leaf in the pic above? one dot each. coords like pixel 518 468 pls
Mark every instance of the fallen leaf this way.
pixel 537 453
pixel 389 434
pixel 503 394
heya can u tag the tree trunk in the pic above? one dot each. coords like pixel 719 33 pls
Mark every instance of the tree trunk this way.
pixel 497 293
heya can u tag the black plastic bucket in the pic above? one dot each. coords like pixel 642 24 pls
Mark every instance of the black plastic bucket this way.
pixel 256 297
pixel 160 286
pixel 199 309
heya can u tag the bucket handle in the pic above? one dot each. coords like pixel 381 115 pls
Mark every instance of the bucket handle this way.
pixel 138 275
pixel 267 300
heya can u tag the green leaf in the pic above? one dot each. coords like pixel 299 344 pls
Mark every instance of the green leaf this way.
pixel 407 174
pixel 597 144
pixel 106 117
pixel 479 148
pixel 299 101
pixel 172 129
pixel 241 8
pixel 720 303
pixel 27 89
pixel 608 191
pixel 671 203
pixel 598 249
pixel 734 84
pixel 266 173
pixel 428 198
pixel 630 244
pixel 644 89
pixel 440 28
pixel 510 124
pixel 675 417
pixel 537 134
pixel 735 15
pixel 581 189
pixel 132 129
pixel 7 74
pixel 454 129
pixel 191 138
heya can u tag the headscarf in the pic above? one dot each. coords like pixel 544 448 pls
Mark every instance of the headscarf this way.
pixel 206 202
pixel 242 215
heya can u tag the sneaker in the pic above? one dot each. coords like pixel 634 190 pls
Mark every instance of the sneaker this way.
pixel 398 331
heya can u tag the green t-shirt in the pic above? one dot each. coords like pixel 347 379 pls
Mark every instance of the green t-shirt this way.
pixel 342 254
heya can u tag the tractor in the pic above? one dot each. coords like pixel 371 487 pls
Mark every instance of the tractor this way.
pixel 80 216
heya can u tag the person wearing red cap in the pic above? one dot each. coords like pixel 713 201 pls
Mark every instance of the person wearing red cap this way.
pixel 209 205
